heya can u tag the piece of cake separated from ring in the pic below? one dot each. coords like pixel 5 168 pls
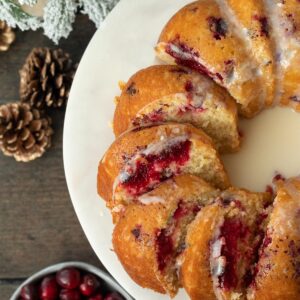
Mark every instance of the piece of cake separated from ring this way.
pixel 141 159
pixel 166 93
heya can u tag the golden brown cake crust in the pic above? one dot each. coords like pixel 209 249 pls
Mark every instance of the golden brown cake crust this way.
pixel 135 233
pixel 278 274
pixel 252 16
pixel 145 86
pixel 154 83
pixel 195 270
pixel 289 14
pixel 128 143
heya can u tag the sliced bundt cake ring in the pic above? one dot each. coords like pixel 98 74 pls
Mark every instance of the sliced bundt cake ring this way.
pixel 200 36
pixel 221 245
pixel 278 269
pixel 149 237
pixel 170 93
pixel 141 159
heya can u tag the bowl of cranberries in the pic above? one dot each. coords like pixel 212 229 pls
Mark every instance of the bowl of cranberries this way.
pixel 70 281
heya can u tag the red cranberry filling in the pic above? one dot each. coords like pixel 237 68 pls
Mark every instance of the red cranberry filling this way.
pixel 295 98
pixel 155 168
pixel 153 117
pixel 233 231
pixel 131 90
pixel 264 25
pixel 188 57
pixel 165 240
pixel 165 248
pixel 218 27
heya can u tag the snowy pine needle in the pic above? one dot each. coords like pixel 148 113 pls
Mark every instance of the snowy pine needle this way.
pixel 97 9
pixel 14 16
pixel 28 2
pixel 59 16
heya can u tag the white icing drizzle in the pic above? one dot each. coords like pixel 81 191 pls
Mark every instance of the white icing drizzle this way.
pixel 279 42
pixel 156 148
pixel 148 199
pixel 217 262
pixel 250 68
pixel 287 45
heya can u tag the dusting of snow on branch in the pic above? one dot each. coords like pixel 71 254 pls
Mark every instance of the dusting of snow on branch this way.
pixel 97 10
pixel 28 2
pixel 59 16
pixel 14 16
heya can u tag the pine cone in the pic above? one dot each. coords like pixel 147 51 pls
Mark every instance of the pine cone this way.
pixel 25 132
pixel 7 36
pixel 46 78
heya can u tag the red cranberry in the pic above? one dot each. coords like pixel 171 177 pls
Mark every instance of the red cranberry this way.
pixel 68 278
pixel 29 292
pixel 113 296
pixel 90 284
pixel 96 297
pixel 48 288
pixel 69 295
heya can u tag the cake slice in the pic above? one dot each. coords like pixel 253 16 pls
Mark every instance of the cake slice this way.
pixel 151 234
pixel 285 21
pixel 251 19
pixel 141 159
pixel 167 93
pixel 278 268
pixel 202 37
pixel 222 244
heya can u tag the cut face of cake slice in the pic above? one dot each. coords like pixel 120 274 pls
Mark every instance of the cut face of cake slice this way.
pixel 278 268
pixel 221 245
pixel 201 36
pixel 140 160
pixel 167 93
pixel 151 234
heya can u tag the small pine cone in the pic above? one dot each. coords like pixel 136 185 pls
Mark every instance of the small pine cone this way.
pixel 25 133
pixel 7 36
pixel 46 78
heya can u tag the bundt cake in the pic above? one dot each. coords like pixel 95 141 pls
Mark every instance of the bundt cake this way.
pixel 278 268
pixel 221 245
pixel 140 159
pixel 178 221
pixel 170 93
pixel 149 237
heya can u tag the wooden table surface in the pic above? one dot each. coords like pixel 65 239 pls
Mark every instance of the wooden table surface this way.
pixel 38 226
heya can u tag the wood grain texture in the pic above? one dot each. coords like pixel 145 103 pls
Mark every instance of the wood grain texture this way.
pixel 38 226
pixel 7 289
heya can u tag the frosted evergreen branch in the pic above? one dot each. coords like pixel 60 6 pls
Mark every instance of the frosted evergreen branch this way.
pixel 28 2
pixel 59 16
pixel 97 10
pixel 14 16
